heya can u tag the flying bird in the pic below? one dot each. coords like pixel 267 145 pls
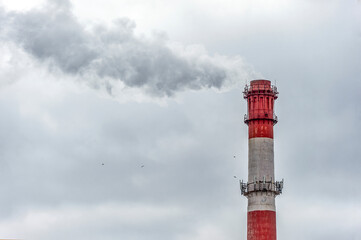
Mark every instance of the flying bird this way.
pixel 142 166
pixel 235 176
pixel 102 164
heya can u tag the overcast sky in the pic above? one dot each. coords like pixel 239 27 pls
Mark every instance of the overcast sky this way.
pixel 120 119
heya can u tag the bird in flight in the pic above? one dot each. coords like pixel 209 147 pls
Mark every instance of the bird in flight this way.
pixel 142 166
pixel 102 164
pixel 234 176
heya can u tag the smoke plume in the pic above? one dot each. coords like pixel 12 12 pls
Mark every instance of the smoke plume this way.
pixel 115 54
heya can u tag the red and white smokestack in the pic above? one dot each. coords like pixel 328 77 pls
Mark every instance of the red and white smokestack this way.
pixel 261 188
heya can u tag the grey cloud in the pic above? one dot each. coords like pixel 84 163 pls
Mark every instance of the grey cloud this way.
pixel 45 170
pixel 53 34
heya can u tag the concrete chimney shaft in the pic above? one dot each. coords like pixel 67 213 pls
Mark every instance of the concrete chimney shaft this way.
pixel 261 188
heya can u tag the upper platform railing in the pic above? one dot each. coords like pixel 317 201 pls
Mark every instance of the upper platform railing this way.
pixel 260 89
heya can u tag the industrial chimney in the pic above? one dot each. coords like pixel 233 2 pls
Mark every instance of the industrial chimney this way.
pixel 261 188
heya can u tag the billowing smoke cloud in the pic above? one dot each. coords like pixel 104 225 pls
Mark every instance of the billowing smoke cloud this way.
pixel 115 55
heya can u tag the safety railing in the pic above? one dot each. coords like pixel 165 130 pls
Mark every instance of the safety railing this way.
pixel 257 89
pixel 246 118
pixel 261 186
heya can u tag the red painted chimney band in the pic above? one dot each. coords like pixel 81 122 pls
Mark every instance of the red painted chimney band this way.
pixel 261 225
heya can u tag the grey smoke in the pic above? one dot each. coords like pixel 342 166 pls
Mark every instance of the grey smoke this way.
pixel 53 35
